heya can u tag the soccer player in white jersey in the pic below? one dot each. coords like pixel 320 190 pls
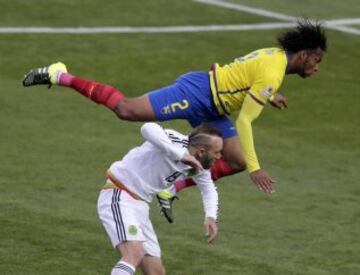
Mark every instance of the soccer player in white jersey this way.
pixel 164 157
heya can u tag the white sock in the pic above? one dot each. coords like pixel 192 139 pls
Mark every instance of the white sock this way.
pixel 123 268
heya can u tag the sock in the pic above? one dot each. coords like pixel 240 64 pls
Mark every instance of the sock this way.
pixel 181 184
pixel 97 92
pixel 64 79
pixel 219 169
pixel 123 268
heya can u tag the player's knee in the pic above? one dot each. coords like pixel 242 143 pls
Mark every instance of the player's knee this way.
pixel 132 254
pixel 238 165
pixel 153 269
pixel 137 255
pixel 160 270
pixel 125 111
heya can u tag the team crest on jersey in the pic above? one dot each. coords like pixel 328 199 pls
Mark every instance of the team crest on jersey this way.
pixel 133 230
pixel 267 92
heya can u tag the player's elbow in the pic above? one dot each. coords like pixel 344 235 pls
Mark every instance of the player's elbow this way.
pixel 148 127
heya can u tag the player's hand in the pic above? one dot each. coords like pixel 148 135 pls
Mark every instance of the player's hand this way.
pixel 192 161
pixel 263 181
pixel 211 229
pixel 279 102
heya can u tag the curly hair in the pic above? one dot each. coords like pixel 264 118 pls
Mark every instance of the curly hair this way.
pixel 305 36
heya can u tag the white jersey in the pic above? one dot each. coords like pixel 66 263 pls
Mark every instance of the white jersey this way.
pixel 155 165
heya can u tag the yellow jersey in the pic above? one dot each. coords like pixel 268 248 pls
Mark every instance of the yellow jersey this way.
pixel 259 73
pixel 247 84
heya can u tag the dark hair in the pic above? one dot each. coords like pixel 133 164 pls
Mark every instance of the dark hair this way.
pixel 201 135
pixel 306 35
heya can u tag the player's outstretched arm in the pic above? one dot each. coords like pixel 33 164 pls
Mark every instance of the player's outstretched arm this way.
pixel 249 112
pixel 210 199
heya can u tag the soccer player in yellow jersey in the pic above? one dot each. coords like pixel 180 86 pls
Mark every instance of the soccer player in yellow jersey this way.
pixel 245 85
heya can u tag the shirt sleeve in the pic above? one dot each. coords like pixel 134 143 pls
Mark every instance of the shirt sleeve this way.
pixel 155 134
pixel 250 110
pixel 209 193
pixel 265 86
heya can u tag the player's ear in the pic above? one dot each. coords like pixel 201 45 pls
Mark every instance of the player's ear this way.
pixel 303 54
pixel 201 150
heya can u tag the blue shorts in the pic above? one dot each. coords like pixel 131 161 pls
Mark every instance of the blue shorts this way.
pixel 190 98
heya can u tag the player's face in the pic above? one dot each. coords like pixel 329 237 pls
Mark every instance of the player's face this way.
pixel 208 157
pixel 311 60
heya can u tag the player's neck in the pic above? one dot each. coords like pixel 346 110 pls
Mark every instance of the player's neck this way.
pixel 292 63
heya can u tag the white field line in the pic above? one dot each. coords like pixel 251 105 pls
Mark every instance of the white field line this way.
pixel 165 29
pixel 238 7
pixel 345 21
pixel 275 15
pixel 170 29
pixel 341 28
pixel 337 24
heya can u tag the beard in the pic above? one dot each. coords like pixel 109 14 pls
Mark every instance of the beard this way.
pixel 205 161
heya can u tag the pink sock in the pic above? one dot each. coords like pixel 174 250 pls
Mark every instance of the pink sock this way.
pixel 64 79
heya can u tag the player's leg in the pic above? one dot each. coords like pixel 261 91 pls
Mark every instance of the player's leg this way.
pixel 152 265
pixel 119 214
pixel 135 109
pixel 232 160
pixel 138 108
pixel 167 103
pixel 132 255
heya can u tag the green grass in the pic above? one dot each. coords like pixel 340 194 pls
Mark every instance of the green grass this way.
pixel 123 13
pixel 55 146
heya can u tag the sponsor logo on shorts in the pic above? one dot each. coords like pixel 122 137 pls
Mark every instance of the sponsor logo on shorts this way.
pixel 133 230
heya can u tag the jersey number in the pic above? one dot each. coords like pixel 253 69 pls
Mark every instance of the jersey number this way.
pixel 177 105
